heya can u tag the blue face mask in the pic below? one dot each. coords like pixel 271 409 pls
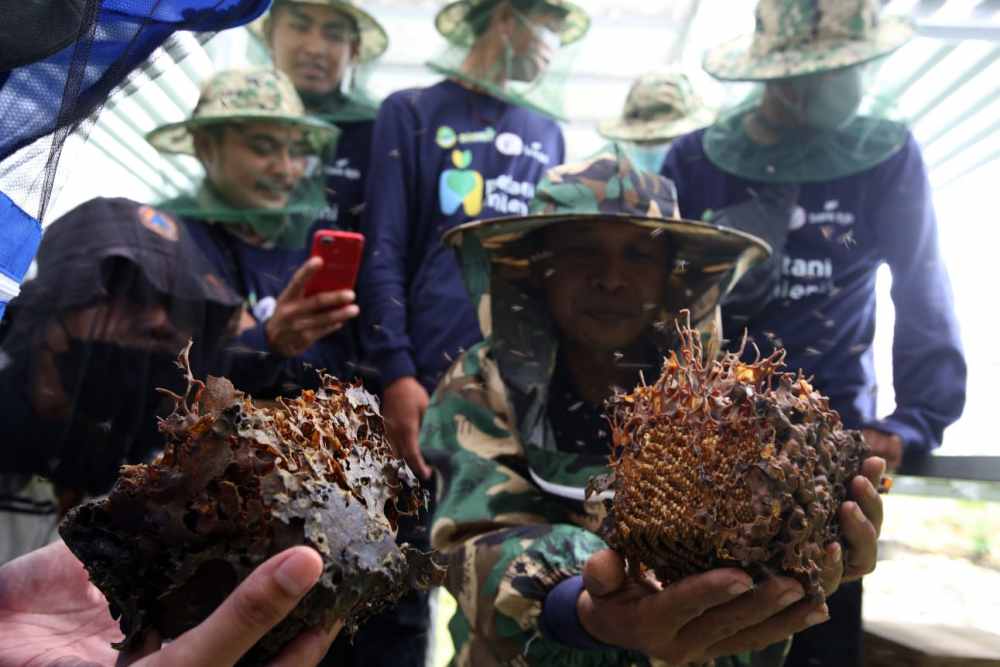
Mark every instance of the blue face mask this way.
pixel 648 157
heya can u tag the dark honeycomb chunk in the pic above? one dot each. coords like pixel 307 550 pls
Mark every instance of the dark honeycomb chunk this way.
pixel 236 484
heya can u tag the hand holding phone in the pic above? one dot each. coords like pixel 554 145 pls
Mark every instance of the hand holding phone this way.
pixel 341 255
pixel 317 301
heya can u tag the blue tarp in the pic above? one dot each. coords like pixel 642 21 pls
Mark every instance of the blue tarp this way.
pixel 58 92
pixel 19 240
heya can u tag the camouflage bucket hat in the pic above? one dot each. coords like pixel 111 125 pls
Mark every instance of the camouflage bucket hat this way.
pixel 607 187
pixel 457 20
pixel 661 105
pixel 372 37
pixel 799 37
pixel 259 94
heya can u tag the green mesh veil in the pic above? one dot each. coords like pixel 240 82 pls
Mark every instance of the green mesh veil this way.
pixel 353 102
pixel 464 25
pixel 286 227
pixel 805 154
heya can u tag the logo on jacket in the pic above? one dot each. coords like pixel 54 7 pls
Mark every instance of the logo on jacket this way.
pixel 159 223
pixel 461 186
pixel 264 309
pixel 342 168
pixel 509 144
pixel 446 137
pixel 831 214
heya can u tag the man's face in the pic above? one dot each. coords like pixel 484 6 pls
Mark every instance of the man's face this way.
pixel 826 100
pixel 106 358
pixel 135 326
pixel 136 316
pixel 605 282
pixel 254 165
pixel 534 41
pixel 314 45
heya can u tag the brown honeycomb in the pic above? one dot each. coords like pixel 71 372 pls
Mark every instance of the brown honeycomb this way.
pixel 238 483
pixel 727 463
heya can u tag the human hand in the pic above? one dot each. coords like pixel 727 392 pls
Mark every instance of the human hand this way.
pixel 403 406
pixel 52 616
pixel 696 619
pixel 299 320
pixel 888 446
pixel 861 519
pixel 860 524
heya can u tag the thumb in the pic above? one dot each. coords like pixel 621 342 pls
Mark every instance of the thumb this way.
pixel 259 603
pixel 604 573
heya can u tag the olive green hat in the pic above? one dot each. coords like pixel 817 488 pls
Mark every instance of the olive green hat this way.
pixel 456 21
pixel 798 37
pixel 258 94
pixel 661 105
pixel 607 187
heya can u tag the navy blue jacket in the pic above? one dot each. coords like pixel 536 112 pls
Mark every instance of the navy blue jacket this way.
pixel 345 177
pixel 823 311
pixel 441 156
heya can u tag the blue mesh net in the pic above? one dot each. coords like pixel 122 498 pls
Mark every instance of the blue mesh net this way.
pixel 44 101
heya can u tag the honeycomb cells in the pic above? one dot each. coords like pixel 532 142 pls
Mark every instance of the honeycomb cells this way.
pixel 727 463
pixel 239 482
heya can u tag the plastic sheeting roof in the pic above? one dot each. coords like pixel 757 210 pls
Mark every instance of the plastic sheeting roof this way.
pixel 948 88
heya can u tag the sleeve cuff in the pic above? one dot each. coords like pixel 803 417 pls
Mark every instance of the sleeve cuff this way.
pixel 913 440
pixel 559 621
pixel 394 365
pixel 256 338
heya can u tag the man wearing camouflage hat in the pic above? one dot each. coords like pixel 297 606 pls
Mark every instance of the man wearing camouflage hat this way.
pixel 864 200
pixel 473 144
pixel 458 150
pixel 253 211
pixel 325 47
pixel 577 298
pixel 662 105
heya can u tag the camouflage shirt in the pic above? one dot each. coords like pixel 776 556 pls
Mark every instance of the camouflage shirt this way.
pixel 508 541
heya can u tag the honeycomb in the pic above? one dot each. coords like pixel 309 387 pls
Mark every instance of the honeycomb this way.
pixel 239 482
pixel 727 463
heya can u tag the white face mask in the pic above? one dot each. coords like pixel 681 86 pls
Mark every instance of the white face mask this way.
pixel 526 66
pixel 829 101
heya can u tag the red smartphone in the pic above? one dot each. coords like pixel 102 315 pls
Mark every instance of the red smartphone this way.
pixel 341 253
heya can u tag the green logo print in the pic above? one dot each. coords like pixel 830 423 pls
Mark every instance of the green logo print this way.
pixel 446 137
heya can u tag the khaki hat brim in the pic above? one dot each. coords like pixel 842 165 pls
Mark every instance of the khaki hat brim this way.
pixel 703 244
pixel 734 61
pixel 176 138
pixel 655 130
pixel 374 40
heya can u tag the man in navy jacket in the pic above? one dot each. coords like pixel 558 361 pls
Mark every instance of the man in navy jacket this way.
pixel 458 150
pixel 863 200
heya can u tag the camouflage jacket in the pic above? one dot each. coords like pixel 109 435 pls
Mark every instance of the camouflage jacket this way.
pixel 512 517
pixel 508 541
